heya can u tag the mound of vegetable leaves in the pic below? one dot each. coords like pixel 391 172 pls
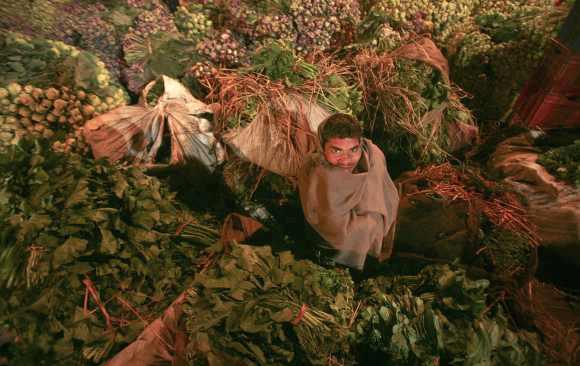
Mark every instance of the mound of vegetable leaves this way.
pixel 88 254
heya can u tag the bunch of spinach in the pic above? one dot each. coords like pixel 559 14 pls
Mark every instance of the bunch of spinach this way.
pixel 88 254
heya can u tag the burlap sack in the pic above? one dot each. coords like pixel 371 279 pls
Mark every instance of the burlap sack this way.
pixel 553 206
pixel 136 133
pixel 281 134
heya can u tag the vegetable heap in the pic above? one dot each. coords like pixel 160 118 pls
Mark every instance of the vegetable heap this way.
pixel 88 254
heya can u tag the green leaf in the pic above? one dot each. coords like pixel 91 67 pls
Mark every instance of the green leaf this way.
pixel 145 219
pixel 85 70
pixel 45 302
pixel 385 314
pixel 100 215
pixel 38 195
pixel 154 251
pixel 4 197
pixel 79 194
pixel 120 19
pixel 169 57
pixel 220 282
pixel 258 353
pixel 109 244
pixel 138 235
pixel 32 226
pixel 147 204
pixel 81 332
pixel 121 185
pixel 64 347
pixel 80 268
pixel 68 251
pixel 76 218
pixel 282 277
pixel 282 316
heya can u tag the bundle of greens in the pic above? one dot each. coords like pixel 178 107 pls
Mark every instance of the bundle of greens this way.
pixel 338 95
pixel 278 61
pixel 411 109
pixel 256 308
pixel 32 60
pixel 320 24
pixel 45 63
pixel 324 78
pixel 88 254
pixel 437 316
pixel 508 254
pixel 375 31
pixel 563 162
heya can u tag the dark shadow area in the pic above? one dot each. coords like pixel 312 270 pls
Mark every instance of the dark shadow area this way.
pixel 557 271
pixel 199 189
pixel 558 138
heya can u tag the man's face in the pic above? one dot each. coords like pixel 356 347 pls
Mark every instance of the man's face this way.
pixel 343 152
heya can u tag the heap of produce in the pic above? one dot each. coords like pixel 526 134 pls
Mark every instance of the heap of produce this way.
pixel 85 26
pixel 88 254
pixel 52 112
pixel 32 17
pixel 319 22
pixel 435 17
pixel 411 109
pixel 202 70
pixel 277 26
pixel 150 30
pixel 493 46
pixel 45 63
pixel 149 22
pixel 437 316
pixel 31 60
pixel 253 307
pixel 256 308
pixel 50 89
pixel 194 24
pixel 223 49
pixel 500 49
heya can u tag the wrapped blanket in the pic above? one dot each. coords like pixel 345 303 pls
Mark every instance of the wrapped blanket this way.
pixel 354 212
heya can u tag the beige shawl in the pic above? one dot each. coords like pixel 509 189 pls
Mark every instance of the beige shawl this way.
pixel 354 212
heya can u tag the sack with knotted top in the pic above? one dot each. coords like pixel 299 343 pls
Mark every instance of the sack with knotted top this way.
pixel 172 132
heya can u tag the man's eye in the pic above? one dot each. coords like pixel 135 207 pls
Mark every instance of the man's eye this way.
pixel 336 151
pixel 355 149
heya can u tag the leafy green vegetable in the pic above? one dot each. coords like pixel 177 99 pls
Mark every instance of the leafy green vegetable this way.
pixel 277 61
pixel 257 308
pixel 563 162
pixel 88 254
pixel 438 316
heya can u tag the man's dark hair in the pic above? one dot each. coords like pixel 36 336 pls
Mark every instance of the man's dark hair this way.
pixel 341 126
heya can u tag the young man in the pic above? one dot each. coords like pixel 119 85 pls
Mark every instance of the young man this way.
pixel 347 194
